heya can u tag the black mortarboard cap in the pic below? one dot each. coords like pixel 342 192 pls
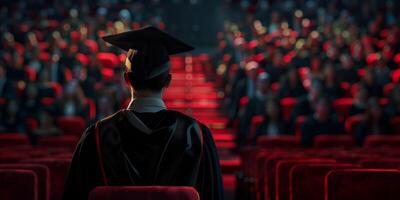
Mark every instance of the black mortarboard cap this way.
pixel 148 50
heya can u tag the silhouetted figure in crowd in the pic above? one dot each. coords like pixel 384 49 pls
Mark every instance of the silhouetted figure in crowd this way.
pixel 273 123
pixel 323 121
pixel 375 123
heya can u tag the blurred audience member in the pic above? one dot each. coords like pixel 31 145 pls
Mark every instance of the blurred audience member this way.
pixel 273 123
pixel 291 85
pixel 393 108
pixel 376 122
pixel 323 121
pixel 360 100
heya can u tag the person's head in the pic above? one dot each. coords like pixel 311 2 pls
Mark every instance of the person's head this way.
pixel 369 77
pixel 323 108
pixel 272 109
pixel 361 94
pixel 346 61
pixel 263 83
pixel 251 70
pixel 329 72
pixel 155 84
pixel 293 76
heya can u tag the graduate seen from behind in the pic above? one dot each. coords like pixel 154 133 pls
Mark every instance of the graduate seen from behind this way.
pixel 146 144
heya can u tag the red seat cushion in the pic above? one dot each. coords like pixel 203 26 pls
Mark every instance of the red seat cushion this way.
pixel 58 173
pixel 144 192
pixel 67 141
pixel 365 184
pixel 18 184
pixel 42 173
pixel 307 180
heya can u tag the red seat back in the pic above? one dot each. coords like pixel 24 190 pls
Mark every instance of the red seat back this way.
pixel 334 141
pixel 282 179
pixel 58 173
pixel 307 180
pixel 144 192
pixel 384 163
pixel 18 184
pixel 374 141
pixel 287 141
pixel 287 105
pixel 72 125
pixel 42 173
pixel 365 184
pixel 342 107
pixel 12 139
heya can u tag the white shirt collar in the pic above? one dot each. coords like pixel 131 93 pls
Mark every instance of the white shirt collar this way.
pixel 147 104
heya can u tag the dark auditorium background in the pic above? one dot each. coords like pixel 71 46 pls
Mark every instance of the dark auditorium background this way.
pixel 302 96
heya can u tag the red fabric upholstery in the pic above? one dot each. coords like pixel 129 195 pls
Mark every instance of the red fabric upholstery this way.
pixel 287 105
pixel 366 184
pixel 12 139
pixel 144 192
pixel 282 178
pixel 395 124
pixel 72 125
pixel 307 180
pixel 383 163
pixel 374 141
pixel 299 122
pixel 352 122
pixel 67 141
pixel 18 185
pixel 342 106
pixel 334 141
pixel 278 142
pixel 42 173
pixel 58 172
pixel 108 60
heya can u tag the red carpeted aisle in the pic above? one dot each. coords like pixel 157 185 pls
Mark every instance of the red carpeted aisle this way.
pixel 192 93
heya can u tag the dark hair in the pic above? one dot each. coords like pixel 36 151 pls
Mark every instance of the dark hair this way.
pixel 154 84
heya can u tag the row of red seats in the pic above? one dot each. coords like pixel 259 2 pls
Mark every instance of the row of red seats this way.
pixel 319 174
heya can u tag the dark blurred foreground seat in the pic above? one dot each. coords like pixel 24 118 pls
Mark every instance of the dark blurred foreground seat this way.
pixel 42 173
pixel 58 168
pixel 363 184
pixel 307 180
pixel 13 139
pixel 18 185
pixel 144 193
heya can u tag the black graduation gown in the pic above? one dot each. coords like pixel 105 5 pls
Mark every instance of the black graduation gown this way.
pixel 169 149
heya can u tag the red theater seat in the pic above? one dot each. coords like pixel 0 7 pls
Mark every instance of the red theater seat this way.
pixel 144 192
pixel 287 141
pixel 12 139
pixel 342 107
pixel 374 141
pixel 58 172
pixel 287 105
pixel 395 124
pixel 282 179
pixel 307 180
pixel 365 184
pixel 67 141
pixel 72 125
pixel 108 60
pixel 352 122
pixel 334 141
pixel 18 185
pixel 383 163
pixel 42 173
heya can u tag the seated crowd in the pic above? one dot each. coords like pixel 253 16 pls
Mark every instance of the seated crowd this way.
pixel 307 69
pixel 54 64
